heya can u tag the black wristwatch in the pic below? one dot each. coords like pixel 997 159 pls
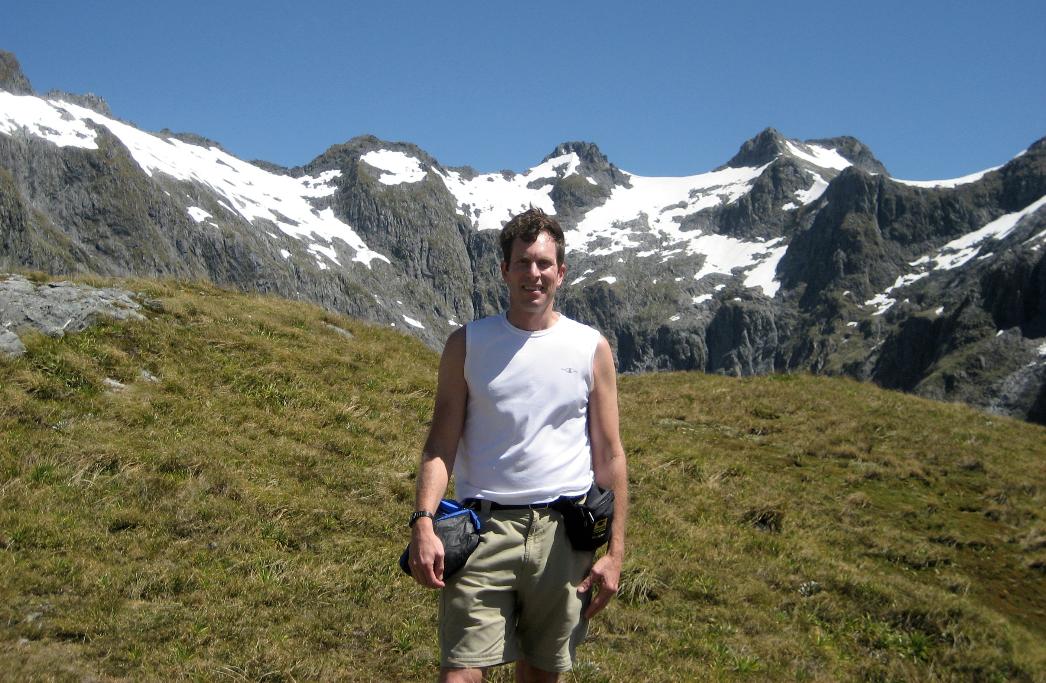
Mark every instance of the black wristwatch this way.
pixel 418 514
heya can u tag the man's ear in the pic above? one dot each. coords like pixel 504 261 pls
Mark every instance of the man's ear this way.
pixel 504 269
pixel 562 272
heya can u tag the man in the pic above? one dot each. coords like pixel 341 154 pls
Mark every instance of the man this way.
pixel 526 412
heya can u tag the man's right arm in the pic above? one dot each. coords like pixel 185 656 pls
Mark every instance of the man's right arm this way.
pixel 437 460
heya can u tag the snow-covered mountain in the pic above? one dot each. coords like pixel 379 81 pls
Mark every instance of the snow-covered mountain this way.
pixel 792 255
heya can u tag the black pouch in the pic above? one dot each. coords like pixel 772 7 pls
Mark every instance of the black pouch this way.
pixel 588 523
pixel 459 529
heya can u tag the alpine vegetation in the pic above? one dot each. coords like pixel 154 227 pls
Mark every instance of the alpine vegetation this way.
pixel 216 487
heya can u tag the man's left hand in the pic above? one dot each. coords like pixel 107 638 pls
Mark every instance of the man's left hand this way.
pixel 605 576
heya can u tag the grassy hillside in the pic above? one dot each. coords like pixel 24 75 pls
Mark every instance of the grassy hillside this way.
pixel 236 513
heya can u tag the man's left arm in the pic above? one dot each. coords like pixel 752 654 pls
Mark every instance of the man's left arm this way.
pixel 608 463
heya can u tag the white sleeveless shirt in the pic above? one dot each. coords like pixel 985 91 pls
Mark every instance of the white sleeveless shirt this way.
pixel 526 425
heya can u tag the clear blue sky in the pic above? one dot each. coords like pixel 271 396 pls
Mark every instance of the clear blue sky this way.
pixel 937 89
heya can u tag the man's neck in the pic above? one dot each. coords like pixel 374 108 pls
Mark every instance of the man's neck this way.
pixel 532 322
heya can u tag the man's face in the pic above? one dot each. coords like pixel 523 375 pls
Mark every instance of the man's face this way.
pixel 532 274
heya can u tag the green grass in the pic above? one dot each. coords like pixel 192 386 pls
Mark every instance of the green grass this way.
pixel 240 518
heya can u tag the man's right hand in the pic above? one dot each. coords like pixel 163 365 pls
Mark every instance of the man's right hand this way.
pixel 426 554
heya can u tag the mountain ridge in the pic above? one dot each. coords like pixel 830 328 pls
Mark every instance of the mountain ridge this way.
pixel 795 255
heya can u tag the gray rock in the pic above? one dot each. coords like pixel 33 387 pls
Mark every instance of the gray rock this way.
pixel 57 308
pixel 10 344
pixel 11 77
pixel 87 100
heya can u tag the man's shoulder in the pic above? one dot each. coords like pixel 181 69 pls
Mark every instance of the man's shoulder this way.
pixel 579 328
pixel 478 325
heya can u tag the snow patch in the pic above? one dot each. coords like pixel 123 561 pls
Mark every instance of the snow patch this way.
pixel 818 156
pixel 953 182
pixel 698 300
pixel 198 214
pixel 396 167
pixel 725 254
pixel 762 276
pixel 884 301
pixel 609 279
pixel 814 192
pixel 491 199
pixel 319 186
pixel 658 204
pixel 959 251
pixel 412 322
pixel 47 119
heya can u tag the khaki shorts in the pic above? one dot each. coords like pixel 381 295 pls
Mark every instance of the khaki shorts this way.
pixel 516 598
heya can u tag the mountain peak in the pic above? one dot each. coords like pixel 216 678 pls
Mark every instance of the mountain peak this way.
pixel 760 150
pixel 11 77
pixel 588 152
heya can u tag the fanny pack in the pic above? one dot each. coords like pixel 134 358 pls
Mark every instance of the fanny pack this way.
pixel 588 522
pixel 459 528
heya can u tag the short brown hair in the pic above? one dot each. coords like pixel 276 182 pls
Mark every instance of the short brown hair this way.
pixel 527 226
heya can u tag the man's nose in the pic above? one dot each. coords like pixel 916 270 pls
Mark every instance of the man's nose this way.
pixel 533 269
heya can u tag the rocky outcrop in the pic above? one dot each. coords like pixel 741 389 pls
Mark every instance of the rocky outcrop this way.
pixel 742 338
pixel 56 309
pixel 11 77
pixel 87 100
pixel 844 247
pixel 759 151
pixel 758 214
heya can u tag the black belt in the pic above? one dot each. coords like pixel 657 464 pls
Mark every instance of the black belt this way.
pixel 476 503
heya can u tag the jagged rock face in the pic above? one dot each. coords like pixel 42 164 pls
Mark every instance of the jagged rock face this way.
pixel 758 214
pixel 742 339
pixel 844 248
pixel 760 150
pixel 388 218
pixel 1014 292
pixel 793 255
pixel 11 77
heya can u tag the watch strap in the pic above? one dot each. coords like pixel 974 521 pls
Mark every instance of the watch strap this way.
pixel 418 514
